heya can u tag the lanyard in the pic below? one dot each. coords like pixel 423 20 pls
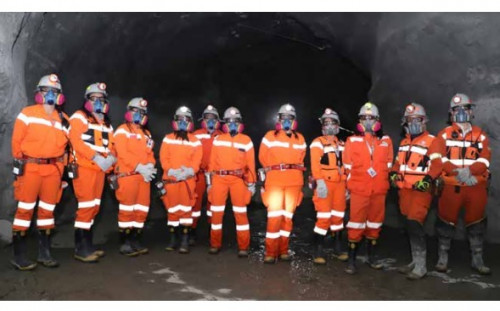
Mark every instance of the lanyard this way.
pixel 370 149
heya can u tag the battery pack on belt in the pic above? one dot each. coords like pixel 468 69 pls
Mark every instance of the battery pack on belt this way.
pixel 43 160
pixel 282 167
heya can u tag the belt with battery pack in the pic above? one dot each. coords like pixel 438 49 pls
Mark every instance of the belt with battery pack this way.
pixel 282 167
pixel 162 191
pixel 113 178
pixel 27 159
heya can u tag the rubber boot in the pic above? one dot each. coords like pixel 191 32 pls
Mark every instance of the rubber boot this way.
pixel 319 253
pixel 445 233
pixel 20 260
pixel 351 261
pixel 44 242
pixel 475 234
pixel 173 233
pixel 418 250
pixel 270 259
pixel 409 267
pixel 373 262
pixel 126 246
pixel 89 235
pixel 192 237
pixel 83 252
pixel 242 253
pixel 338 251
pixel 184 245
pixel 136 241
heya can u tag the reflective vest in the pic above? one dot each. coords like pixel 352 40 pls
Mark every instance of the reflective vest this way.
pixel 234 153
pixel 88 137
pixel 206 140
pixel 465 151
pixel 326 158
pixel 278 148
pixel 414 159
pixel 133 146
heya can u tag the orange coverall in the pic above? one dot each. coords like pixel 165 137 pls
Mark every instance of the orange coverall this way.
pixel 283 188
pixel 133 146
pixel 230 156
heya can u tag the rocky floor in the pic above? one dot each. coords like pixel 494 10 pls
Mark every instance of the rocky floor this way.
pixel 161 275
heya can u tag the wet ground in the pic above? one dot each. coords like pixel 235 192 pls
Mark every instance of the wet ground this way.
pixel 162 275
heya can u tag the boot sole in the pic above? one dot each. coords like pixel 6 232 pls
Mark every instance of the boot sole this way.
pixel 350 271
pixel 319 261
pixel 143 251
pixel 49 264
pixel 135 254
pixel 25 268
pixel 441 269
pixel 170 249
pixel 87 259
pixel 413 277
pixel 99 253
pixel 341 257
pixel 183 251
pixel 488 272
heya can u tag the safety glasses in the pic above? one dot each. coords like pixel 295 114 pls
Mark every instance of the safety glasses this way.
pixel 464 107
pixel 414 119
pixel 283 116
pixel 94 98
pixel 141 111
pixel 46 89
pixel 365 117
pixel 330 122
pixel 182 118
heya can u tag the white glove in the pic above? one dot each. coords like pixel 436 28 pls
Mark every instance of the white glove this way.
pixel 321 190
pixel 144 170
pixel 102 162
pixel 177 173
pixel 347 195
pixel 251 188
pixel 463 174
pixel 185 173
pixel 151 172
pixel 471 181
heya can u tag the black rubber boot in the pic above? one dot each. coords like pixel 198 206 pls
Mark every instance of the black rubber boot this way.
pixel 173 233
pixel 184 245
pixel 373 262
pixel 83 252
pixel 136 241
pixel 89 235
pixel 319 253
pixel 192 237
pixel 126 246
pixel 444 233
pixel 20 260
pixel 351 261
pixel 44 256
pixel 475 234
pixel 338 251
pixel 418 250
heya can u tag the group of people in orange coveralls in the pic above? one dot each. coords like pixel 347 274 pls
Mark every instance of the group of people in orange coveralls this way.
pixel 219 159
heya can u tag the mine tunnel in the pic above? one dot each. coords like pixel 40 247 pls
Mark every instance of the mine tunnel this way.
pixel 256 62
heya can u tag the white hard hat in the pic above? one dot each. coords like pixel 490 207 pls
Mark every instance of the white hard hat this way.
pixel 138 102
pixel 232 113
pixel 414 110
pixel 459 99
pixel 210 109
pixel 369 109
pixel 51 80
pixel 329 113
pixel 98 87
pixel 287 109
pixel 183 111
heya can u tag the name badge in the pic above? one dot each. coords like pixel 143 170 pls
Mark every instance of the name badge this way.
pixel 149 144
pixel 371 172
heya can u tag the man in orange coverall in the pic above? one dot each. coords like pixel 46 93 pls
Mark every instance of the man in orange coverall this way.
pixel 180 157
pixel 281 155
pixel 232 170
pixel 91 137
pixel 367 159
pixel 465 174
pixel 330 193
pixel 39 141
pixel 210 124
pixel 417 165
pixel 135 169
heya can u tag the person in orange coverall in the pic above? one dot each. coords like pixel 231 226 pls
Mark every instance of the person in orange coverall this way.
pixel 210 128
pixel 91 137
pixel 39 141
pixel 232 170
pixel 465 173
pixel 367 159
pixel 180 157
pixel 415 169
pixel 281 155
pixel 330 193
pixel 135 169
